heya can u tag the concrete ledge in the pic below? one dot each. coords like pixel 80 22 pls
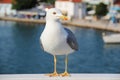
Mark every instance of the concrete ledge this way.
pixel 72 77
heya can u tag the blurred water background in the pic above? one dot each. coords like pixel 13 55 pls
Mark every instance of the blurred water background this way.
pixel 20 51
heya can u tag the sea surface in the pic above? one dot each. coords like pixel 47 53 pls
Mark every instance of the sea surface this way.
pixel 20 51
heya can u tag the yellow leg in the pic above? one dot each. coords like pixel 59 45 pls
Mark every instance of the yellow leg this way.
pixel 54 74
pixel 66 66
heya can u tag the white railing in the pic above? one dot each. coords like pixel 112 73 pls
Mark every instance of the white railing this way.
pixel 72 77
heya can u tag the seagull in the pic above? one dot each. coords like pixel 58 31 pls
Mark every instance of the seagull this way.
pixel 57 40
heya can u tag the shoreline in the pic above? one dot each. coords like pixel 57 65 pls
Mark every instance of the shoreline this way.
pixel 22 20
pixel 78 23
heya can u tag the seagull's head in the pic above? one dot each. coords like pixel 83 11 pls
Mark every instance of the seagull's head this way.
pixel 55 15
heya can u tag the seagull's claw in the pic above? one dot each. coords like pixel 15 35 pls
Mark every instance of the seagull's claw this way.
pixel 65 74
pixel 54 74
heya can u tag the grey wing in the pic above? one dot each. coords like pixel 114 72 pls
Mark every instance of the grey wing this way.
pixel 71 40
pixel 41 44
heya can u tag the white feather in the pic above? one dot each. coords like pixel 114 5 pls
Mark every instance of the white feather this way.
pixel 54 37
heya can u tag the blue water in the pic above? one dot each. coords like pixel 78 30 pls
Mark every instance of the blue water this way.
pixel 20 51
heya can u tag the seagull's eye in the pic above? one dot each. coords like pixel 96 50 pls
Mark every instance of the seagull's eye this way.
pixel 54 13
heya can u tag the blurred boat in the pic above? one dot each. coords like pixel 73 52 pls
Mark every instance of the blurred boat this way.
pixel 111 38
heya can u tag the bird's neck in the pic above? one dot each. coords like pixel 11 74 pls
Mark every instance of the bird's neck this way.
pixel 52 21
pixel 54 26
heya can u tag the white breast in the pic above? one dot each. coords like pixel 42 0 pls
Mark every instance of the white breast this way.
pixel 54 40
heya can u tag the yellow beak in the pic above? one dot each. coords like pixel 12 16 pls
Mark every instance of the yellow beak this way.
pixel 64 17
